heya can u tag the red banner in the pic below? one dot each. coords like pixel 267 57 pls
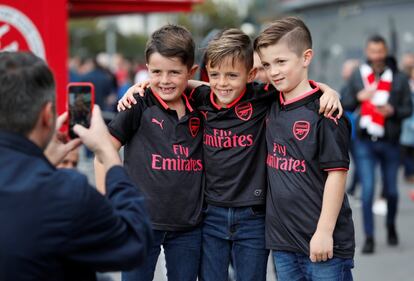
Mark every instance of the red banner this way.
pixel 40 27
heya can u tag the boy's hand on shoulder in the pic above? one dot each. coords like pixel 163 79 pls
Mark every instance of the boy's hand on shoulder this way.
pixel 329 102
pixel 321 246
pixel 125 102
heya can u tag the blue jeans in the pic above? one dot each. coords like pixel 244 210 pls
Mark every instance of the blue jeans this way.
pixel 182 255
pixel 368 154
pixel 298 267
pixel 236 235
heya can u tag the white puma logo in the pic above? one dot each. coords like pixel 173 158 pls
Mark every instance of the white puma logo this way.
pixel 158 122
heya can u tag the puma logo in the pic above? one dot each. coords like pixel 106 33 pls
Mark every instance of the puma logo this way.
pixel 158 123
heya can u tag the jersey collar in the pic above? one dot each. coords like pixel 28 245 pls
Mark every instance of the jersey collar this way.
pixel 302 99
pixel 213 102
pixel 165 105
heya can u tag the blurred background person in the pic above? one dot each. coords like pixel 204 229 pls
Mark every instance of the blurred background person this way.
pixel 407 132
pixel 384 98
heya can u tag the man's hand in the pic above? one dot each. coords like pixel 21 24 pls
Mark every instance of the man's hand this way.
pixel 128 98
pixel 59 147
pixel 365 94
pixel 329 102
pixel 386 110
pixel 321 246
pixel 98 139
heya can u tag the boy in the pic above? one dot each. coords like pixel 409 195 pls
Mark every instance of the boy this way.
pixel 162 136
pixel 234 111
pixel 309 224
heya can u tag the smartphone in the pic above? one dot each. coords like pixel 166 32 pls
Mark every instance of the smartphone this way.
pixel 81 98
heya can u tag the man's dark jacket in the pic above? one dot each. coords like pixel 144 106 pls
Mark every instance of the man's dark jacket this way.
pixel 55 226
pixel 400 100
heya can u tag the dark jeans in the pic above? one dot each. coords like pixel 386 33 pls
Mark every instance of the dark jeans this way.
pixel 236 234
pixel 182 255
pixel 298 267
pixel 368 153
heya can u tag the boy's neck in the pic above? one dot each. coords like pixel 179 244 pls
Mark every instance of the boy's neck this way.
pixel 177 105
pixel 302 88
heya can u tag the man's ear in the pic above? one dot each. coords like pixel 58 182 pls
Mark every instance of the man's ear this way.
pixel 252 75
pixel 307 57
pixel 47 116
pixel 192 71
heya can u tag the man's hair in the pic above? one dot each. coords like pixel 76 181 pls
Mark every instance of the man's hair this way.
pixel 377 39
pixel 230 43
pixel 172 41
pixel 26 85
pixel 291 30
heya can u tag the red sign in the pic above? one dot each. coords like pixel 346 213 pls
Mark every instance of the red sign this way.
pixel 40 27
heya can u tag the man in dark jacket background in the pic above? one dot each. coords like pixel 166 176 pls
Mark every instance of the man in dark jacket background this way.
pixel 381 95
pixel 54 225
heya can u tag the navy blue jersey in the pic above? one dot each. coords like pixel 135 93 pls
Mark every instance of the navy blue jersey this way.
pixel 163 155
pixel 234 146
pixel 302 147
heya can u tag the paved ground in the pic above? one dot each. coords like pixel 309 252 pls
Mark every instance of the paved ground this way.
pixel 388 263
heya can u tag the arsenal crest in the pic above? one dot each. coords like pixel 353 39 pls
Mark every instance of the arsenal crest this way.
pixel 244 110
pixel 194 125
pixel 301 129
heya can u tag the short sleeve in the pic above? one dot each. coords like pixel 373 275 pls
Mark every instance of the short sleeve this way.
pixel 127 122
pixel 333 141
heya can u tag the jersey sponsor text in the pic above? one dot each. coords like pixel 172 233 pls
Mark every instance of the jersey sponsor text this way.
pixel 279 160
pixel 226 139
pixel 158 162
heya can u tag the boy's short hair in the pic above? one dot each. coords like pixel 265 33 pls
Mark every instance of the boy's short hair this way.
pixel 232 43
pixel 172 41
pixel 292 30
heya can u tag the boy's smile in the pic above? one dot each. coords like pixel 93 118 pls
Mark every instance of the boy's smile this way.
pixel 228 80
pixel 168 77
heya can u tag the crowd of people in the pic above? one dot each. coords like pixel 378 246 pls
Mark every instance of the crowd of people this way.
pixel 219 173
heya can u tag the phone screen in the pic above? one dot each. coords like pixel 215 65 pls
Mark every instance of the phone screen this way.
pixel 80 106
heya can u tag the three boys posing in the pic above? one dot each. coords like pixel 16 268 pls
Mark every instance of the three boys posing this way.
pixel 236 124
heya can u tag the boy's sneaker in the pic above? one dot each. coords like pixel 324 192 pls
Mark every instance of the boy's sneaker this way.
pixel 392 235
pixel 368 246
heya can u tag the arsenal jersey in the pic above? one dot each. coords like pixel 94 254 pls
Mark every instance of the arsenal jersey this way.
pixel 302 147
pixel 163 155
pixel 234 146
